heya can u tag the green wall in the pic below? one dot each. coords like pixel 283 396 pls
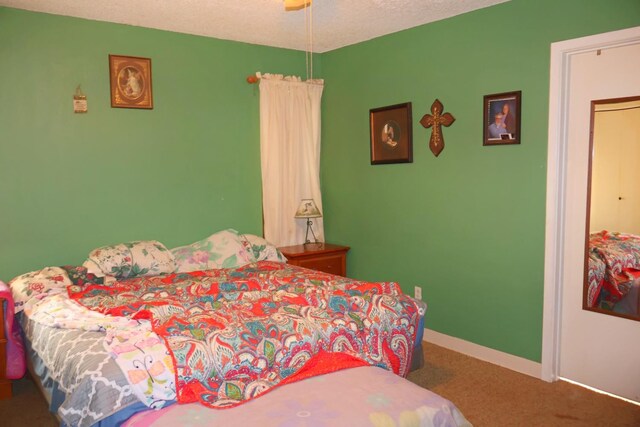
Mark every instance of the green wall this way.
pixel 72 182
pixel 468 226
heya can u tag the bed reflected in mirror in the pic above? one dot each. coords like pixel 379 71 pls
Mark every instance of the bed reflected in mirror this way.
pixel 612 249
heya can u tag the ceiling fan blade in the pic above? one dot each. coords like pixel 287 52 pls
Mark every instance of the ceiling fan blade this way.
pixel 296 4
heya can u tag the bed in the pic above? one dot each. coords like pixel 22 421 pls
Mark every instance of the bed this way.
pixel 238 330
pixel 613 272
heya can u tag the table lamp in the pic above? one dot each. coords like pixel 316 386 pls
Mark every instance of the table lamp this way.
pixel 308 210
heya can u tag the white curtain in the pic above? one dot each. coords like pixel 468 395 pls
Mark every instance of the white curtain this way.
pixel 290 155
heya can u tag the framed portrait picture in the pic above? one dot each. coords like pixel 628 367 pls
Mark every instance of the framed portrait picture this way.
pixel 501 124
pixel 130 78
pixel 391 134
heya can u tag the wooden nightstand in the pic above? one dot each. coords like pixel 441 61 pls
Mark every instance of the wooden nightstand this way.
pixel 318 256
pixel 5 384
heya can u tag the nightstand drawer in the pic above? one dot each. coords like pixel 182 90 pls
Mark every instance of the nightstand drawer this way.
pixel 324 257
pixel 329 264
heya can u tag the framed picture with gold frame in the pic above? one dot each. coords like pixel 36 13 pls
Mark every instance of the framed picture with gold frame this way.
pixel 130 78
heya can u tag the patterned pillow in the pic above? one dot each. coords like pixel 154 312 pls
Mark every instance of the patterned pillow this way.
pixel 36 284
pixel 81 276
pixel 223 249
pixel 133 259
pixel 260 249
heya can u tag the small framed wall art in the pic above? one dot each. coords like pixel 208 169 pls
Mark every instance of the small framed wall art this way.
pixel 501 118
pixel 391 134
pixel 130 78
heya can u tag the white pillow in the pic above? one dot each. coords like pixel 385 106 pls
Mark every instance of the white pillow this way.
pixel 133 259
pixel 261 250
pixel 38 283
pixel 223 249
pixel 93 268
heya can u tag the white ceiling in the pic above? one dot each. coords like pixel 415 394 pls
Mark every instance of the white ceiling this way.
pixel 336 23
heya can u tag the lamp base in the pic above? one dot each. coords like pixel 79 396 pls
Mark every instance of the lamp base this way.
pixel 312 245
pixel 306 234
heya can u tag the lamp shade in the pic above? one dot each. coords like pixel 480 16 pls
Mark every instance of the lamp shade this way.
pixel 308 209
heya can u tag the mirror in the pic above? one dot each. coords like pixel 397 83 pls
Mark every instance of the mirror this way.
pixel 612 247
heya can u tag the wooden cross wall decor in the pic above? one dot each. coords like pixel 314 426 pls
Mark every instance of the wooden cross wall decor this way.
pixel 435 120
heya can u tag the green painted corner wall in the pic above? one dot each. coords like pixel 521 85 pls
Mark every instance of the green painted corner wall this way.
pixel 468 226
pixel 72 182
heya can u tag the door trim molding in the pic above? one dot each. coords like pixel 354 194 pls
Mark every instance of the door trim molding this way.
pixel 561 53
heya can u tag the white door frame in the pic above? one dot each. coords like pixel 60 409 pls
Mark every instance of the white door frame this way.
pixel 561 53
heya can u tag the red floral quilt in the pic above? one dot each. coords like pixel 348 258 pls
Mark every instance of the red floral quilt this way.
pixel 620 254
pixel 234 334
pixel 595 278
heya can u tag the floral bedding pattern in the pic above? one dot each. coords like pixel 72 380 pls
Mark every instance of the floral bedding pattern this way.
pixel 595 278
pixel 223 249
pixel 68 343
pixel 234 334
pixel 33 286
pixel 136 349
pixel 620 254
pixel 140 258
pixel 260 249
pixel 81 276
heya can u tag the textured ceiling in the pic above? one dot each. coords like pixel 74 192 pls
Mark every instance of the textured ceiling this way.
pixel 336 23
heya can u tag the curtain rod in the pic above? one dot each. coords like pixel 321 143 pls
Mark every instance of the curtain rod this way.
pixel 255 78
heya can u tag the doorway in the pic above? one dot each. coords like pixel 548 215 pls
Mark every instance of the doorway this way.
pixel 586 347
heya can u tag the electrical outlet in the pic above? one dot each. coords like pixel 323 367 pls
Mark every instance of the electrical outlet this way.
pixel 417 292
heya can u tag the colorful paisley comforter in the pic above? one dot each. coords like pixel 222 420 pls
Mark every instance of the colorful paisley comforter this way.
pixel 618 255
pixel 234 334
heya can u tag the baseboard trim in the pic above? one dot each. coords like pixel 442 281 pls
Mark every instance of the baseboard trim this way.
pixel 506 360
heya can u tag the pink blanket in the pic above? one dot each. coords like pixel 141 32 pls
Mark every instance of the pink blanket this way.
pixel 16 362
pixel 365 396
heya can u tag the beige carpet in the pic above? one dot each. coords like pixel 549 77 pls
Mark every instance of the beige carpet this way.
pixel 489 395
pixel 26 408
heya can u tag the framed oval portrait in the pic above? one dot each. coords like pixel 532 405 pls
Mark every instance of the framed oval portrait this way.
pixel 390 134
pixel 130 78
